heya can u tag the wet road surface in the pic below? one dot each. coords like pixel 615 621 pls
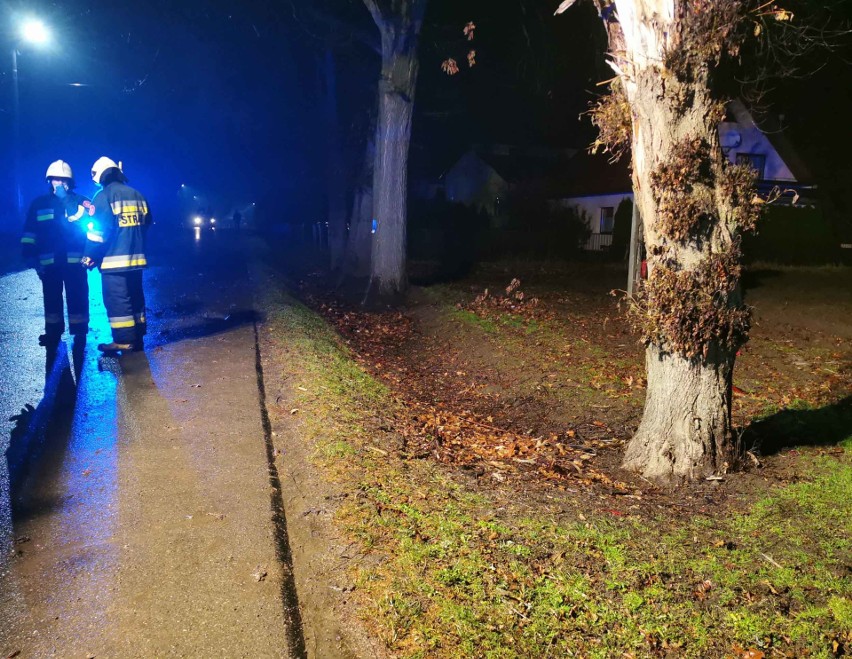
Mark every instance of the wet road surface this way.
pixel 137 509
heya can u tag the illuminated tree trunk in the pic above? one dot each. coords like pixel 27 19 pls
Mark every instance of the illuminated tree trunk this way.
pixel 685 431
pixel 399 24
pixel 693 205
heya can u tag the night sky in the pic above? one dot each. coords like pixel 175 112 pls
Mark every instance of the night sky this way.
pixel 212 94
pixel 226 96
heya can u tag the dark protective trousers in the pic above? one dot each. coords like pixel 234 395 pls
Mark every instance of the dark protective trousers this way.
pixel 74 278
pixel 125 305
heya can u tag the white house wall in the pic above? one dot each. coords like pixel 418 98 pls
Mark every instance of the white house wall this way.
pixel 592 205
pixel 739 138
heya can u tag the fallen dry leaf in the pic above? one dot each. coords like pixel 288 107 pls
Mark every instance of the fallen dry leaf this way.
pixel 751 653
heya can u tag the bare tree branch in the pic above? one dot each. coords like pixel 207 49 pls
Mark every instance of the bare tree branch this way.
pixel 376 13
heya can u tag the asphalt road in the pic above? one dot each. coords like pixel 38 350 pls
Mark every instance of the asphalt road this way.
pixel 139 514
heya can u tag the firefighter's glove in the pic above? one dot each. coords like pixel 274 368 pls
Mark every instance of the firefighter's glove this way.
pixel 87 263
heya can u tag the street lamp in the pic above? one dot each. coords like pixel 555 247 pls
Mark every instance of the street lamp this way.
pixel 35 32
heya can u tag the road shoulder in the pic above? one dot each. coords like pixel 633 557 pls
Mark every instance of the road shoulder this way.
pixel 324 560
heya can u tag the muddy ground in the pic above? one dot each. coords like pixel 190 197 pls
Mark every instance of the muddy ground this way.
pixel 543 386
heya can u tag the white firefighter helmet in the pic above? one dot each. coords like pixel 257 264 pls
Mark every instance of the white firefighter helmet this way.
pixel 59 169
pixel 101 165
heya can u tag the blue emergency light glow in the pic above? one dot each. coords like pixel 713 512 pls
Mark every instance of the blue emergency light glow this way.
pixel 90 226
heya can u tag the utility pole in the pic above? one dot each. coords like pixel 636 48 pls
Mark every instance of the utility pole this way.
pixel 16 134
pixel 634 262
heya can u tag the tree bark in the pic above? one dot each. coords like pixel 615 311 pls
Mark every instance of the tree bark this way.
pixel 686 425
pixel 399 28
pixel 390 186
pixel 685 432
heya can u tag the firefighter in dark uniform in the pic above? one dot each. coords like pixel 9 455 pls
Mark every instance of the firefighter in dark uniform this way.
pixel 116 244
pixel 53 242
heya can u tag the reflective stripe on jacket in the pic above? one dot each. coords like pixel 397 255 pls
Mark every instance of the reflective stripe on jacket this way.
pixel 116 237
pixel 52 232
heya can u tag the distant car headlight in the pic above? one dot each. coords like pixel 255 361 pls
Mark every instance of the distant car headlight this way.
pixel 197 221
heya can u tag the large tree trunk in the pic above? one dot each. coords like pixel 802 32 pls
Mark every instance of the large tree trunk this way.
pixel 685 431
pixel 399 26
pixel 686 425
pixel 390 182
pixel 690 309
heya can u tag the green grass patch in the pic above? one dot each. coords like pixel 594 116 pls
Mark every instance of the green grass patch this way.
pixel 474 320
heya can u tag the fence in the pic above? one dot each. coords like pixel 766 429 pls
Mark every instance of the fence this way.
pixel 598 242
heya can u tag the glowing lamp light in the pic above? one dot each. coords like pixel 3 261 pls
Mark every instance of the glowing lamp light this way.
pixel 34 31
pixel 212 220
pixel 197 221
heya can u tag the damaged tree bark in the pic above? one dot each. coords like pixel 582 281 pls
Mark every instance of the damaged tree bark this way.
pixel 694 206
pixel 685 431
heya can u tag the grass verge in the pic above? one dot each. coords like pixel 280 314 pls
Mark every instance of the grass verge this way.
pixel 466 569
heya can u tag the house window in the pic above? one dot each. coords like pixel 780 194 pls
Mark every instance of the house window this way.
pixel 607 219
pixel 757 161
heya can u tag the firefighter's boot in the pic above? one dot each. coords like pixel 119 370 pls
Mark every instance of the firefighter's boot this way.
pixel 49 339
pixel 112 348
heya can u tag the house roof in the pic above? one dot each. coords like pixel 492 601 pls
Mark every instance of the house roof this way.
pixel 791 157
pixel 428 162
pixel 772 129
pixel 592 175
pixel 522 165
